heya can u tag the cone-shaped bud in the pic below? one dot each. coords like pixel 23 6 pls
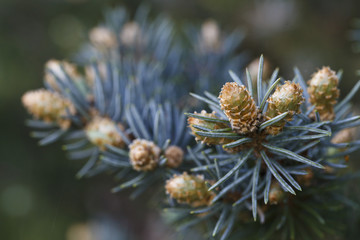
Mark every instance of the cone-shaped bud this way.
pixel 53 67
pixel 276 194
pixel 189 189
pixel 174 156
pixel 49 107
pixel 210 125
pixel 210 36
pixel 239 107
pixel 324 92
pixel 102 38
pixel 144 155
pixel 130 34
pixel 101 131
pixel 286 98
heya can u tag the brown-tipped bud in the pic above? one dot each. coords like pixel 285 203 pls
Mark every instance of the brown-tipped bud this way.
pixel 59 69
pixel 305 180
pixel 210 36
pixel 130 34
pixel 286 98
pixel 324 92
pixel 102 131
pixel 210 125
pixel 276 194
pixel 174 156
pixel 49 107
pixel 253 68
pixel 102 38
pixel 144 155
pixel 189 189
pixel 239 107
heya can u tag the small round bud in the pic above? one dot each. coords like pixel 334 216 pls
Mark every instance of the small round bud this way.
pixel 324 92
pixel 102 38
pixel 253 68
pixel 210 36
pixel 130 34
pixel 101 131
pixel 49 107
pixel 210 125
pixel 239 107
pixel 144 155
pixel 174 156
pixel 189 189
pixel 276 194
pixel 286 98
pixel 306 180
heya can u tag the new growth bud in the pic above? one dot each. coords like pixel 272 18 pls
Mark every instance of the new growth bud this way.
pixel 174 156
pixel 276 194
pixel 324 92
pixel 49 107
pixel 101 131
pixel 130 34
pixel 286 98
pixel 239 107
pixel 253 68
pixel 144 155
pixel 102 38
pixel 210 36
pixel 189 189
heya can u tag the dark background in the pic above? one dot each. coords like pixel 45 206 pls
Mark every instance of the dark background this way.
pixel 40 198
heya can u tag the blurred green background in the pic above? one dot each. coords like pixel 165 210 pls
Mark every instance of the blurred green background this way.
pixel 40 198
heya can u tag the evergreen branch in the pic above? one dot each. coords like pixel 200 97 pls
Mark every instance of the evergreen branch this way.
pixel 255 182
pixel 275 173
pixel 238 165
pixel 291 155
pixel 237 143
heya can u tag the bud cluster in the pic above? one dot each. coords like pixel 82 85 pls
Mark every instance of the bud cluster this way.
pixel 49 106
pixel 324 92
pixel 189 189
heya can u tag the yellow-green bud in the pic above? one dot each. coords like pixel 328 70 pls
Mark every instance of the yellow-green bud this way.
pixel 189 189
pixel 286 98
pixel 239 107
pixel 324 92
pixel 49 107
pixel 101 131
